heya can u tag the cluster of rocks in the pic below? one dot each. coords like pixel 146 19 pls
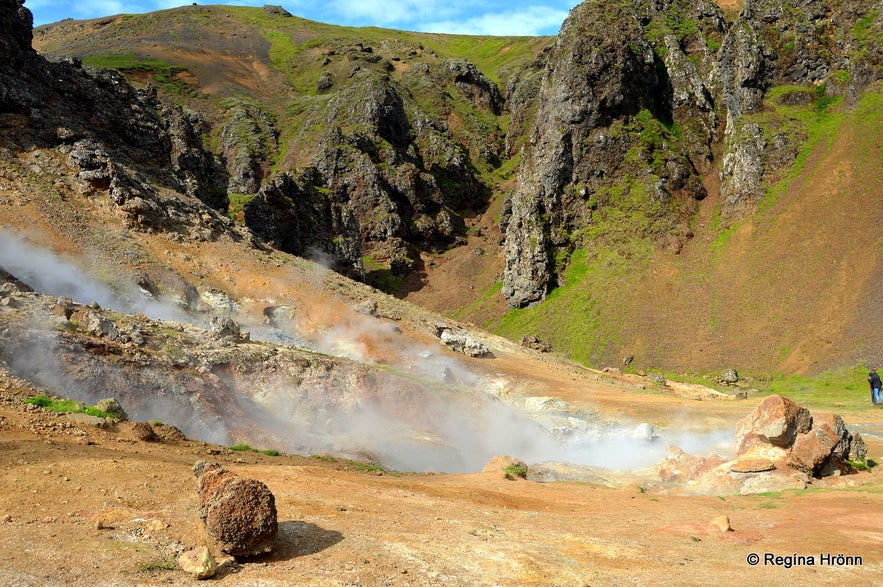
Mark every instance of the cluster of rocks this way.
pixel 460 341
pixel 535 343
pixel 779 445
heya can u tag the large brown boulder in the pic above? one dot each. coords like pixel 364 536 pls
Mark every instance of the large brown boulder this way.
pixel 823 449
pixel 776 421
pixel 239 514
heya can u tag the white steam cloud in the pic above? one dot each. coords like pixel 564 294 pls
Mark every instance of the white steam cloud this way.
pixel 438 416
pixel 54 275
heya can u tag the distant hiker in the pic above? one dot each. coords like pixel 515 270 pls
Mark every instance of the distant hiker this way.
pixel 876 384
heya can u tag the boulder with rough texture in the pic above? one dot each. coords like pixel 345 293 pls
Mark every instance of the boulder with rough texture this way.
pixel 824 448
pixel 16 21
pixel 730 376
pixel 143 432
pixel 780 445
pixel 775 421
pixel 463 343
pixel 535 343
pixel 239 514
pixel 224 327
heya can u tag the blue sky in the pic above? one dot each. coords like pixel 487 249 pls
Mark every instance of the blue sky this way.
pixel 488 17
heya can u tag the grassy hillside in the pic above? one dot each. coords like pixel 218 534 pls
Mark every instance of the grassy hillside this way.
pixel 181 35
pixel 778 292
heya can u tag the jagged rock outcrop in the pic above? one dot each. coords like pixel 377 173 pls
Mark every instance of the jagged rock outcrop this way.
pixel 248 140
pixel 521 94
pixel 201 172
pixel 475 86
pixel 616 81
pixel 830 48
pixel 146 158
pixel 387 154
pixel 299 216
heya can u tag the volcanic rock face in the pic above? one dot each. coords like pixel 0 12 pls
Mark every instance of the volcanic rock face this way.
pixel 628 114
pixel 16 21
pixel 605 101
pixel 239 514
pixel 142 157
pixel 296 216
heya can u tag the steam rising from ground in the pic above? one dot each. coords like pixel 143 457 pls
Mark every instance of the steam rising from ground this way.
pixel 51 274
pixel 446 419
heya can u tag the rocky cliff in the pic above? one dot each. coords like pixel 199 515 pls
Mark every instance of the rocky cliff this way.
pixel 624 126
pixel 635 101
pixel 823 50
pixel 397 136
pixel 92 132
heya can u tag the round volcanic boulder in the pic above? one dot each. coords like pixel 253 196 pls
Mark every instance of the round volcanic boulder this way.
pixel 239 514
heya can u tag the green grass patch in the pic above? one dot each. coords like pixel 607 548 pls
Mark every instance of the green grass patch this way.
pixel 66 406
pixel 515 472
pixel 324 458
pixel 245 447
pixel 831 391
pixel 365 467
pixel 581 318
pixel 236 210
pixel 166 565
pixel 164 73
pixel 379 275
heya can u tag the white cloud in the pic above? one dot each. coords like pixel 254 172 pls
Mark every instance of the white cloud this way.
pixel 387 12
pixel 530 21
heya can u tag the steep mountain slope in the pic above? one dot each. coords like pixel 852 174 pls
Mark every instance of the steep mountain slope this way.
pixel 677 167
pixel 342 141
pixel 784 88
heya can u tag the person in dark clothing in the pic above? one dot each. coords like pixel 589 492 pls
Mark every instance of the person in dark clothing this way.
pixel 876 385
